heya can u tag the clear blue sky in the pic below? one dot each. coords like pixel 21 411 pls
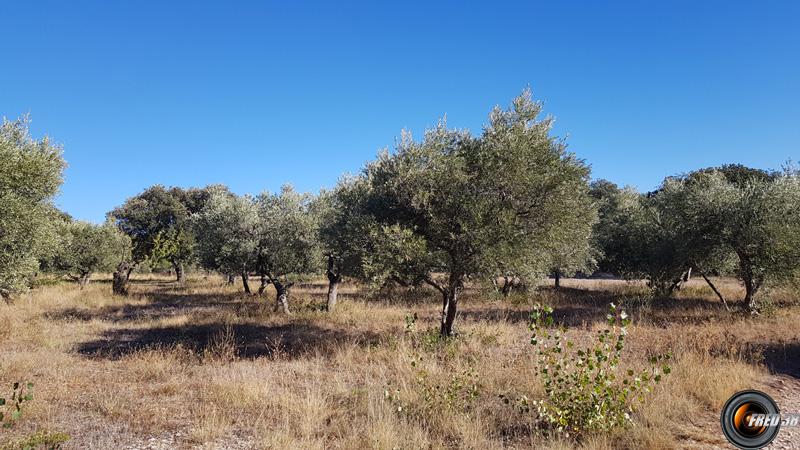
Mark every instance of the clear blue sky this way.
pixel 257 94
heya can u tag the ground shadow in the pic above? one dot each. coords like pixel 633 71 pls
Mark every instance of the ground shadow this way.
pixel 244 340
pixel 783 358
pixel 581 307
pixel 170 299
pixel 161 304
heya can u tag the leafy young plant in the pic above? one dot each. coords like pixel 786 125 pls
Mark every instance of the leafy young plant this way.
pixel 11 409
pixel 41 440
pixel 585 390
pixel 456 392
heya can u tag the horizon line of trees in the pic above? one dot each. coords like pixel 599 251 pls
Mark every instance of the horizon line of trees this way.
pixel 511 203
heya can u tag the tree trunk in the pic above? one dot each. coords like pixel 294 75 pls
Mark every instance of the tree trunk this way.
pixel 282 295
pixel 557 276
pixel 264 282
pixel 84 279
pixel 180 274
pixel 677 284
pixel 245 283
pixel 333 292
pixel 121 282
pixel 751 289
pixel 334 279
pixel 230 279
pixel 6 296
pixel 508 284
pixel 751 283
pixel 450 304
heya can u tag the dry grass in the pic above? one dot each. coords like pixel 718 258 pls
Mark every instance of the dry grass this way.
pixel 204 366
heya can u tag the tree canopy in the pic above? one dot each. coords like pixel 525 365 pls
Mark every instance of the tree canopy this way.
pixel 463 206
pixel 727 220
pixel 30 176
pixel 345 231
pixel 85 248
pixel 226 232
pixel 157 220
pixel 286 240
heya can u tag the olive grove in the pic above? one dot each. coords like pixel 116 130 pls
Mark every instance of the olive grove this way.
pixel 450 209
pixel 725 220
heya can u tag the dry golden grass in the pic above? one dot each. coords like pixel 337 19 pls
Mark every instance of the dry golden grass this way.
pixel 204 366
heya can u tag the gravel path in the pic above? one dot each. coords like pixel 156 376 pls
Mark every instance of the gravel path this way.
pixel 785 390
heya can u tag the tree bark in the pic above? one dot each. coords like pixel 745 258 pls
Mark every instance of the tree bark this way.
pixel 282 295
pixel 264 283
pixel 180 274
pixel 84 279
pixel 508 284
pixel 333 292
pixel 557 276
pixel 230 279
pixel 334 279
pixel 751 283
pixel 450 304
pixel 245 283
pixel 6 296
pixel 751 289
pixel 121 282
pixel 677 284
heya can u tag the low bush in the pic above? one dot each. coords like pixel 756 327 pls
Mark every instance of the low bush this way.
pixel 585 390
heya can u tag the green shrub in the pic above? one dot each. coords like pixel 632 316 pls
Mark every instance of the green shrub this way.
pixel 11 409
pixel 41 440
pixel 585 390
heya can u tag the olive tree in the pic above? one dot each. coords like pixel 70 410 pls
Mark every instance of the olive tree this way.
pixel 755 219
pixel 568 250
pixel 286 241
pixel 30 176
pixel 344 232
pixel 226 233
pixel 637 238
pixel 574 255
pixel 86 248
pixel 460 206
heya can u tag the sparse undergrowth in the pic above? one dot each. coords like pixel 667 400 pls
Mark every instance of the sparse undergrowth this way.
pixel 219 368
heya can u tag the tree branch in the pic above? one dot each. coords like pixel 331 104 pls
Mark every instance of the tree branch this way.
pixel 433 283
pixel 714 288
